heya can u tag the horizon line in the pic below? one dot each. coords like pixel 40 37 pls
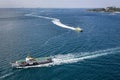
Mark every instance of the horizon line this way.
pixel 58 7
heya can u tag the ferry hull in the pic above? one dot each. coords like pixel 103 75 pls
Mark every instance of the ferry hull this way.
pixel 35 63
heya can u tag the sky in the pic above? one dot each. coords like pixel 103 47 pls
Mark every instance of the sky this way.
pixel 58 3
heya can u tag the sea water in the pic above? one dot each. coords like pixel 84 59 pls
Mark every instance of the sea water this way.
pixel 93 54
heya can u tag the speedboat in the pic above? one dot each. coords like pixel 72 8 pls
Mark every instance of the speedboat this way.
pixel 78 29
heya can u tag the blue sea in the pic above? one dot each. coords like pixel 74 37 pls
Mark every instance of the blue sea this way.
pixel 93 54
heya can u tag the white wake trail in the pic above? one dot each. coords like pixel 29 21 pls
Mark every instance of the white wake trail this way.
pixel 6 75
pixel 72 58
pixel 54 21
pixel 58 23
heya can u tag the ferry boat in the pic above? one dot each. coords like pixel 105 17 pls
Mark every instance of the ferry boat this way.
pixel 29 61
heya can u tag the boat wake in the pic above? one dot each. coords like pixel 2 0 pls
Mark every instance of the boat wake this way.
pixel 56 22
pixel 6 75
pixel 76 57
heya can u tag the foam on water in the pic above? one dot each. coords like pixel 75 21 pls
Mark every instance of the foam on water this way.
pixel 54 21
pixel 6 75
pixel 76 57
pixel 58 23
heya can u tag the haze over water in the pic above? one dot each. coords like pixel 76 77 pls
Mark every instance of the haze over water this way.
pixel 90 55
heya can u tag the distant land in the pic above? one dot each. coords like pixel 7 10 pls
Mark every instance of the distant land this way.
pixel 107 9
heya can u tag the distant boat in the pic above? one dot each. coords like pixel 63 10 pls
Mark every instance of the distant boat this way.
pixel 78 29
pixel 29 61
